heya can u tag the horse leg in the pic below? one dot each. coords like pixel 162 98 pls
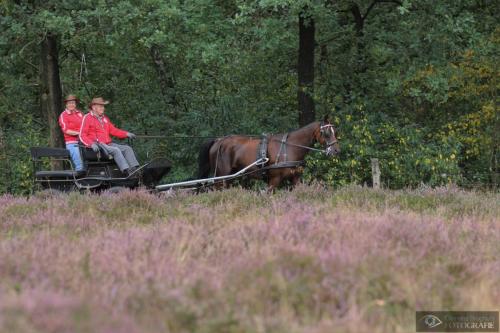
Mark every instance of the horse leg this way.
pixel 273 182
pixel 295 180
pixel 223 169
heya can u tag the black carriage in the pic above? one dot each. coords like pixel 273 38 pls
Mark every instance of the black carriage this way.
pixel 53 171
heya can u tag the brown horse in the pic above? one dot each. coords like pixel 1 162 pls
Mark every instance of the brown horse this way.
pixel 228 155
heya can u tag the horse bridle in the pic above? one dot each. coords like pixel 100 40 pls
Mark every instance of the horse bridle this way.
pixel 328 131
pixel 324 129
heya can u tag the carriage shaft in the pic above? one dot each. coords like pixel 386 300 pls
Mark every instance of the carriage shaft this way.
pixel 260 161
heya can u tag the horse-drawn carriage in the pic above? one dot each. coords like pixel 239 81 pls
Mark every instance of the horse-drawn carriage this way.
pixel 101 171
pixel 221 160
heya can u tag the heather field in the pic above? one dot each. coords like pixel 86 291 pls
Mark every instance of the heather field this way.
pixel 311 260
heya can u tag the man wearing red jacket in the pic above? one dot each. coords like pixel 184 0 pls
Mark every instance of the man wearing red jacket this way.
pixel 96 133
pixel 70 122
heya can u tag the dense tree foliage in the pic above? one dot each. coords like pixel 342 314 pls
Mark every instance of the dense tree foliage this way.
pixel 412 82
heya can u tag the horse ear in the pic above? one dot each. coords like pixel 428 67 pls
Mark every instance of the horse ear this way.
pixel 325 119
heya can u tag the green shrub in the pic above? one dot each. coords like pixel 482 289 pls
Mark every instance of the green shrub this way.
pixel 408 155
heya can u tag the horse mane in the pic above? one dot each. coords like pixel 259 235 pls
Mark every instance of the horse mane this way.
pixel 307 127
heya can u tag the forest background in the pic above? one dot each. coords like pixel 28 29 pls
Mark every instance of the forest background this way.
pixel 413 83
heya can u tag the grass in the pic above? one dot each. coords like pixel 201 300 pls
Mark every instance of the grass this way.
pixel 310 260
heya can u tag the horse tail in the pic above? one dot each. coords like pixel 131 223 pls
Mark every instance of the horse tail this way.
pixel 204 159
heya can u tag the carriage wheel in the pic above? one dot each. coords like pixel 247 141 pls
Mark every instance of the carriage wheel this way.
pixel 116 189
pixel 49 193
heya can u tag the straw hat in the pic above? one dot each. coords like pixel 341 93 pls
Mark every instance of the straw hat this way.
pixel 71 98
pixel 99 101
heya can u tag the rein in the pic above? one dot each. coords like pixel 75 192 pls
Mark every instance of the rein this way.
pixel 322 128
pixel 173 137
pixel 300 146
pixel 212 137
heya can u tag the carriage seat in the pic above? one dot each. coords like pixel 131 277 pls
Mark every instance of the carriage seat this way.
pixel 39 152
pixel 53 154
pixel 89 155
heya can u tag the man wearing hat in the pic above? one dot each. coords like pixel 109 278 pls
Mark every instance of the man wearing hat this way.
pixel 96 133
pixel 70 122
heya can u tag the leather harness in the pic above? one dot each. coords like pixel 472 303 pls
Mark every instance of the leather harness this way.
pixel 282 154
pixel 262 149
pixel 282 148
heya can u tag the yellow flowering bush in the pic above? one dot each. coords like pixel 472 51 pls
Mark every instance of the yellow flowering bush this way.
pixel 406 154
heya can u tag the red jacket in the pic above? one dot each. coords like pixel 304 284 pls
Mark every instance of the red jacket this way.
pixel 70 121
pixel 94 131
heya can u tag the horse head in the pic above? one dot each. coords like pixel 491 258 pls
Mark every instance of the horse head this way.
pixel 326 136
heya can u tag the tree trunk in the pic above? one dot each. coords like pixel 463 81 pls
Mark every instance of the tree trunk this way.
pixel 166 80
pixel 51 89
pixel 306 70
pixel 359 20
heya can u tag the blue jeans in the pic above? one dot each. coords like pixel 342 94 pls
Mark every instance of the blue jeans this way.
pixel 74 152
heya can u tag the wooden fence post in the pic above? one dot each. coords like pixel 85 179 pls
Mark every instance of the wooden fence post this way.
pixel 375 173
pixel 4 163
